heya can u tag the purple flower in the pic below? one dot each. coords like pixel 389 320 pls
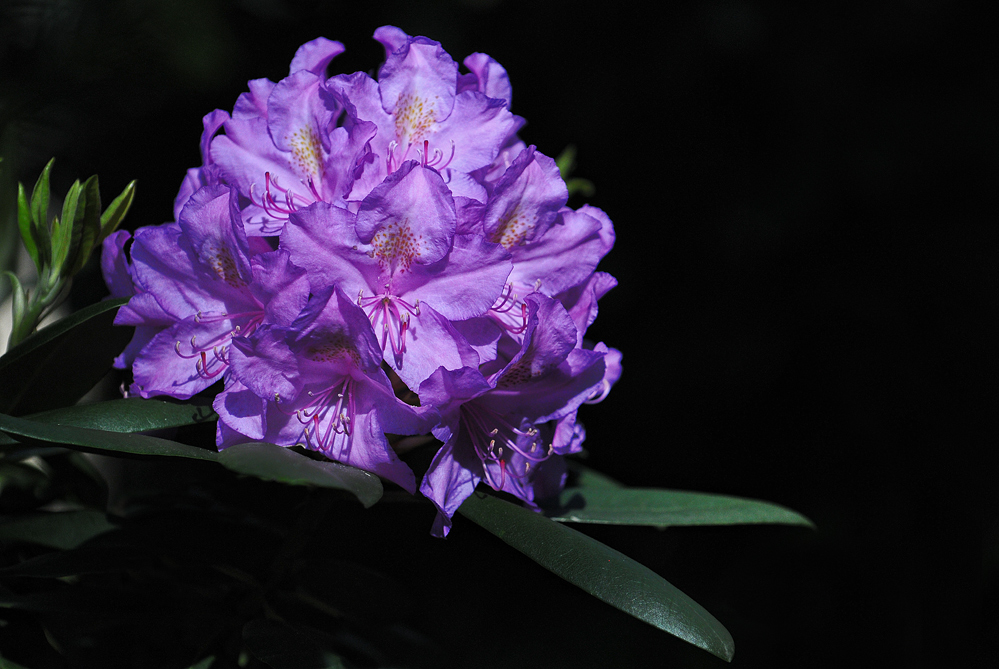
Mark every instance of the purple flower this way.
pixel 280 148
pixel 199 285
pixel 504 427
pixel 411 273
pixel 319 383
pixel 421 113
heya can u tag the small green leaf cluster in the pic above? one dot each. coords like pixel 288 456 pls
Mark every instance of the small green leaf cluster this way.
pixel 59 247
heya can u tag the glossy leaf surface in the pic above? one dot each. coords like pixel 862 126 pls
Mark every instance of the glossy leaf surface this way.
pixel 601 571
pixel 664 508
pixel 99 440
pixel 275 463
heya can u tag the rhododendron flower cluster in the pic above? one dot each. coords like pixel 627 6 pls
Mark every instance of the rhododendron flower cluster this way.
pixel 360 257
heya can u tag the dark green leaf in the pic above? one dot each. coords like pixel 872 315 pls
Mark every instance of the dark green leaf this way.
pixel 64 530
pixel 10 664
pixel 282 646
pixel 113 215
pixel 129 415
pixel 663 508
pixel 99 441
pixel 275 463
pixel 23 477
pixel 601 571
pixel 590 478
pixel 33 374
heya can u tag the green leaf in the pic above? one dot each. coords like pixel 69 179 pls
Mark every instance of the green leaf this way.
pixel 10 664
pixel 18 298
pixel 100 441
pixel 133 414
pixel 33 374
pixel 86 227
pixel 26 227
pixel 275 463
pixel 566 161
pixel 590 478
pixel 64 530
pixel 582 186
pixel 40 213
pixel 113 215
pixel 62 227
pixel 204 664
pixel 282 646
pixel 601 571
pixel 665 508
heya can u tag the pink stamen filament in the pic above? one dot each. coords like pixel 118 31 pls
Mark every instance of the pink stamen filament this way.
pixel 274 207
pixel 500 312
pixel 395 321
pixel 339 412
pixel 219 346
pixel 437 162
pixel 501 438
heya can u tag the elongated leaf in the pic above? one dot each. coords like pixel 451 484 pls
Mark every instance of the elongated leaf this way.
pixel 33 374
pixel 25 226
pixel 86 227
pixel 40 215
pixel 262 460
pixel 601 571
pixel 10 664
pixel 99 441
pixel 591 478
pixel 133 414
pixel 664 508
pixel 275 463
pixel 113 215
pixel 282 646
pixel 62 228
pixel 204 664
pixel 127 415
pixel 64 530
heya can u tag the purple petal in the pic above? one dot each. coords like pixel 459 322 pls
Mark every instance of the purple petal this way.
pixel 416 85
pixel 314 56
pixel 490 77
pixel 242 412
pixel 115 266
pixel 392 39
pixel 450 480
pixel 409 218
pixel 526 200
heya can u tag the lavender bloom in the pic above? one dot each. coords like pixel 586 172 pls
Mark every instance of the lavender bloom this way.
pixel 505 427
pixel 280 148
pixel 319 383
pixel 424 111
pixel 412 274
pixel 199 285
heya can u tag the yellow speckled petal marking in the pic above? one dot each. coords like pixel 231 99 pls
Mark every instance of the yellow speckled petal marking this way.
pixel 307 151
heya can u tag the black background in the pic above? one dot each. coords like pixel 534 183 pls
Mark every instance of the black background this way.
pixel 806 269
